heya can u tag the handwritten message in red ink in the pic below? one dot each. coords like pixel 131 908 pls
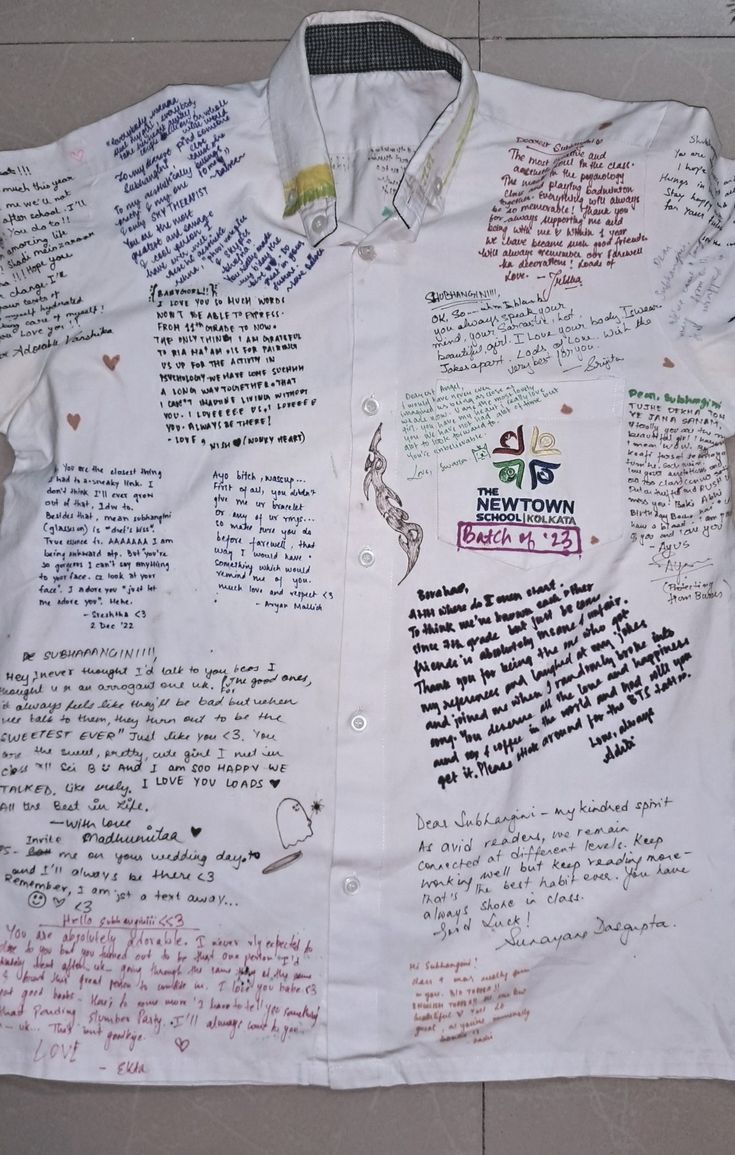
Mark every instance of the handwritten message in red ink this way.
pixel 565 540
pixel 99 991
pixel 564 208
pixel 453 1000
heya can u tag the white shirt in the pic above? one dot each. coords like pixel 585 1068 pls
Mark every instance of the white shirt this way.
pixel 366 662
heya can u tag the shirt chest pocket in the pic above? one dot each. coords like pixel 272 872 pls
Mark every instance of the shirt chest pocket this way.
pixel 532 473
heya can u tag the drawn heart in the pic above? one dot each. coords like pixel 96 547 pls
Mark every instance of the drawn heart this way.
pixel 566 408
pixel 274 782
pixel 73 420
pixel 196 831
pixel 182 1044
pixel 594 540
pixel 668 363
pixel 111 362
pixel 77 154
pixel 236 441
pixel 58 901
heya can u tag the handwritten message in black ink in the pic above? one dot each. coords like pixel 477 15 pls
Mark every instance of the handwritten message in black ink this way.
pixel 477 331
pixel 544 877
pixel 167 162
pixel 381 166
pixel 104 750
pixel 44 230
pixel 500 677
pixel 697 187
pixel 564 208
pixel 105 542
pixel 229 369
pixel 265 541
pixel 388 162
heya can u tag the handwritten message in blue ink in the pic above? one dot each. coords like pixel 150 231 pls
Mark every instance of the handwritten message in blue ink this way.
pixel 168 164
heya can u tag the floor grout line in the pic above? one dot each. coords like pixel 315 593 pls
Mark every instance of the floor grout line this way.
pixel 284 40
pixel 482 1124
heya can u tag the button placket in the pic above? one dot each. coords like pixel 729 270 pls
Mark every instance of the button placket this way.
pixel 355 922
pixel 358 722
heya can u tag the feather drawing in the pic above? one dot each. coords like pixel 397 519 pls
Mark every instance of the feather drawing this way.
pixel 390 506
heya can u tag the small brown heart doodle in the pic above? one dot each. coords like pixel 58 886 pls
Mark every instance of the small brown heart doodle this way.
pixel 73 419
pixel 182 1044
pixel 594 540
pixel 668 363
pixel 196 831
pixel 566 408
pixel 111 362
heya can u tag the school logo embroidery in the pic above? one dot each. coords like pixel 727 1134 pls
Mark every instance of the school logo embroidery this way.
pixel 525 522
pixel 512 445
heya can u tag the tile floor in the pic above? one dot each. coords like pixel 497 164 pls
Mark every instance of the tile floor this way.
pixel 64 63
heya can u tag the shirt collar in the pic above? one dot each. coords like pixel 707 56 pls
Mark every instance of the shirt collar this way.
pixel 339 42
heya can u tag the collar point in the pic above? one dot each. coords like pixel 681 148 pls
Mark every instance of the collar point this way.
pixel 315 183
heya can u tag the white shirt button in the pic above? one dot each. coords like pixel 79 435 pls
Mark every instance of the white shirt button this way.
pixel 318 225
pixel 351 884
pixel 366 252
pixel 370 406
pixel 358 722
pixel 366 556
pixel 438 185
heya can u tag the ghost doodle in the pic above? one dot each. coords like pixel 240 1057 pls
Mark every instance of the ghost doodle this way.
pixel 294 826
